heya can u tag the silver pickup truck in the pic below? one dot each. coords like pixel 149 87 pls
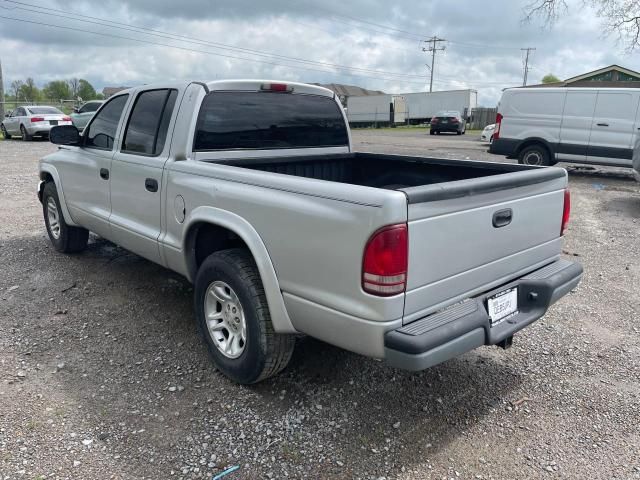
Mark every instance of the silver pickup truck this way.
pixel 252 191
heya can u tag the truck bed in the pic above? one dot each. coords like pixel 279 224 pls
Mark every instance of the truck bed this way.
pixel 413 175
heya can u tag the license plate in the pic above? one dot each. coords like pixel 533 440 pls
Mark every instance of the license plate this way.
pixel 502 305
pixel 53 122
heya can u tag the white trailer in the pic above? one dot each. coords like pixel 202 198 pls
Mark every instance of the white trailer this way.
pixel 418 107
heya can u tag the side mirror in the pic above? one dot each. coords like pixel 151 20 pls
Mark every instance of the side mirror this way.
pixel 7 115
pixel 64 135
pixel 76 110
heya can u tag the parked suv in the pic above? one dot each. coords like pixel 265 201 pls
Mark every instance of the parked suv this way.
pixel 83 114
pixel 448 121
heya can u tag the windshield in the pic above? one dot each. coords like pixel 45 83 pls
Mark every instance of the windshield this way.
pixel 44 111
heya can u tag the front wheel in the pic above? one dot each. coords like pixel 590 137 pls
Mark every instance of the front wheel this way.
pixel 5 134
pixel 65 238
pixel 233 317
pixel 534 155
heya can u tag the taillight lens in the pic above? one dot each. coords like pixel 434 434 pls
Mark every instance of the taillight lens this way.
pixel 66 119
pixel 496 132
pixel 37 119
pixel 434 120
pixel 566 211
pixel 276 87
pixel 384 266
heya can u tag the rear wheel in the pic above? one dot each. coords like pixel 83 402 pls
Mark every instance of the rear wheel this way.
pixel 65 238
pixel 25 135
pixel 534 155
pixel 431 132
pixel 233 317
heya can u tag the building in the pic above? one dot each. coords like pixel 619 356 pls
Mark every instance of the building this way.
pixel 607 77
pixel 110 91
pixel 344 92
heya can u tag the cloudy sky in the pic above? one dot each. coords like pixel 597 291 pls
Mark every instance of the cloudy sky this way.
pixel 373 44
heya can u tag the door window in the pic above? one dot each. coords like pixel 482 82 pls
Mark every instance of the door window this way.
pixel 20 112
pixel 102 130
pixel 148 123
pixel 89 107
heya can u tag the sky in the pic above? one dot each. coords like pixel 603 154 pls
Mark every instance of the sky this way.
pixel 372 44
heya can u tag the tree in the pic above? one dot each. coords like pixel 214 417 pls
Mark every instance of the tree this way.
pixel 86 90
pixel 619 17
pixel 74 87
pixel 57 90
pixel 16 87
pixel 550 78
pixel 29 91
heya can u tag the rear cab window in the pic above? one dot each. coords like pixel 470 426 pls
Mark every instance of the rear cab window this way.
pixel 238 120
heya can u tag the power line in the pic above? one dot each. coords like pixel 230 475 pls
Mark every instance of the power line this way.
pixel 526 64
pixel 187 39
pixel 433 48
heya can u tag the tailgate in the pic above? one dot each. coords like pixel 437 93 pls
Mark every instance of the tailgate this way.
pixel 469 236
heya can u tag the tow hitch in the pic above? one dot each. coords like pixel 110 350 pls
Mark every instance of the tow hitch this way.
pixel 506 343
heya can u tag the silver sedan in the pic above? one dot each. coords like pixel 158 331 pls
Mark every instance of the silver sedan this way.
pixel 32 121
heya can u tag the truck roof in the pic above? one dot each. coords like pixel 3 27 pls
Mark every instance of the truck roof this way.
pixel 242 84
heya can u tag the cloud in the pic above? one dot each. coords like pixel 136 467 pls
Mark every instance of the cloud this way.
pixel 482 51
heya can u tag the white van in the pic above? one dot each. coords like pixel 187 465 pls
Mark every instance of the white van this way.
pixel 541 126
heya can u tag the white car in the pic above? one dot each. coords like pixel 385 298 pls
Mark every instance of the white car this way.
pixel 487 133
pixel 32 121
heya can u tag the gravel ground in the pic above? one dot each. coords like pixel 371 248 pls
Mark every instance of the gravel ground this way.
pixel 102 374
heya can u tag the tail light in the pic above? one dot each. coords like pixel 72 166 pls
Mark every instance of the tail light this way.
pixel 434 120
pixel 66 119
pixel 384 265
pixel 566 211
pixel 453 119
pixel 276 87
pixel 37 119
pixel 496 132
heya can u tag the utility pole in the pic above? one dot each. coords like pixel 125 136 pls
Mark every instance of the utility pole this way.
pixel 1 95
pixel 433 48
pixel 526 65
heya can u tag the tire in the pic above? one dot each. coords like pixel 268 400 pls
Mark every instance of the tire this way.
pixel 437 132
pixel 5 134
pixel 65 238
pixel 458 132
pixel 534 155
pixel 25 135
pixel 431 132
pixel 230 278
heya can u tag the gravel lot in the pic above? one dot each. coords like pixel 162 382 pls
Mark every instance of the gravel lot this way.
pixel 102 374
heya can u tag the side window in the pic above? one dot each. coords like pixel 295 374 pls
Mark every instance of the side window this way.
pixel 148 123
pixel 20 112
pixel 89 107
pixel 102 130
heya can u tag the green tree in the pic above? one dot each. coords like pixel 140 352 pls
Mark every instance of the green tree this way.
pixel 550 78
pixel 57 90
pixel 16 87
pixel 86 90
pixel 29 91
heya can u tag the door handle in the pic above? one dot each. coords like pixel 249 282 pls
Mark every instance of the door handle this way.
pixel 603 124
pixel 104 173
pixel 502 218
pixel 151 184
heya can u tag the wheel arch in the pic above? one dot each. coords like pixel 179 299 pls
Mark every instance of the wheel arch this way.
pixel 536 141
pixel 209 229
pixel 48 173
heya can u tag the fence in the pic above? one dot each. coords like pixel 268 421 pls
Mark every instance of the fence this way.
pixel 481 117
pixel 65 105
